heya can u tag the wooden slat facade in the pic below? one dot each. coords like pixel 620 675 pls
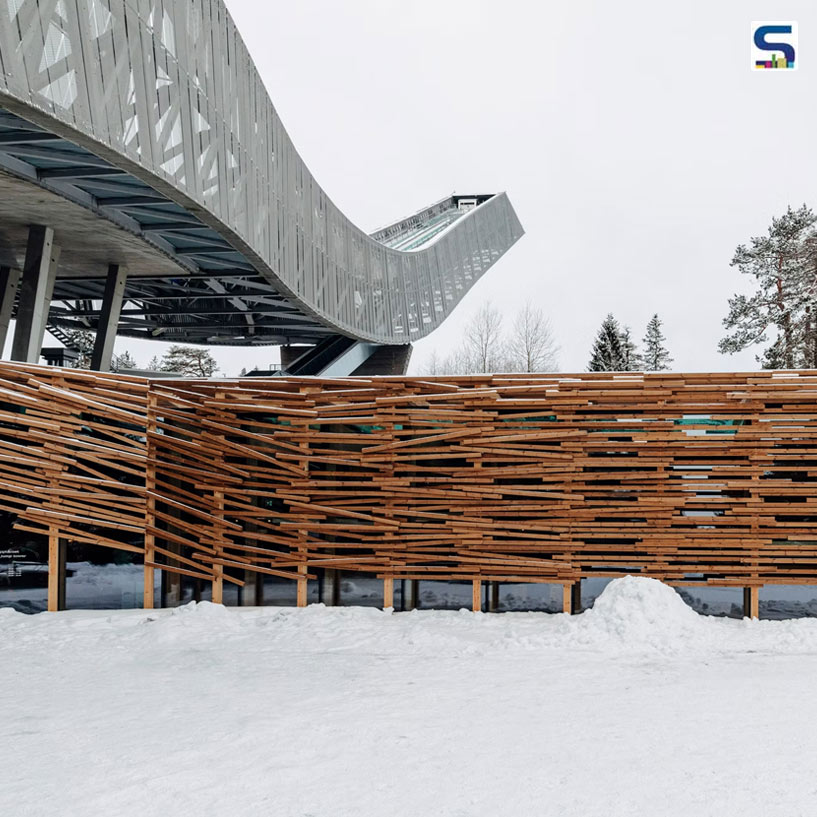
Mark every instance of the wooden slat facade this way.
pixel 689 478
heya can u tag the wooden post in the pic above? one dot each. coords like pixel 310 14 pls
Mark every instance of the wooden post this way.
pixel 572 597
pixel 493 600
pixel 476 595
pixel 751 602
pixel 301 588
pixel 388 592
pixel 218 570
pixel 567 597
pixel 148 599
pixel 56 571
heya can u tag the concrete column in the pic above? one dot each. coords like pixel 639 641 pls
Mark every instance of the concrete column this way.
pixel 413 594
pixel 109 318
pixel 9 284
pixel 329 587
pixel 36 289
pixel 252 593
pixel 493 599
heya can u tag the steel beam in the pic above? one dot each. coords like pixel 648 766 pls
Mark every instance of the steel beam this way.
pixel 109 318
pixel 36 288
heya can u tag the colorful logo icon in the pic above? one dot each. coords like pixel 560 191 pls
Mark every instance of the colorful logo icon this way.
pixel 774 45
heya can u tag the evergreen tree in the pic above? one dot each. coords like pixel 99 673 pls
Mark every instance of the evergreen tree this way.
pixel 155 364
pixel 123 361
pixel 630 358
pixel 784 265
pixel 607 354
pixel 190 361
pixel 656 356
pixel 82 341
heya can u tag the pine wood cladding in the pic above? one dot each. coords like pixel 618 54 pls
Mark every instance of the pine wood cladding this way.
pixel 689 478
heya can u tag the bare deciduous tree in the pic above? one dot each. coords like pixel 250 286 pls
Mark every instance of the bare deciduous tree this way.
pixel 531 347
pixel 483 339
pixel 484 349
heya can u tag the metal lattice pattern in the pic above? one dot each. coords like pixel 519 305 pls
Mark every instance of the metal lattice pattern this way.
pixel 167 91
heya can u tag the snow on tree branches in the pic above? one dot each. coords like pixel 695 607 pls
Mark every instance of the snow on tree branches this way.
pixel 783 308
pixel 656 356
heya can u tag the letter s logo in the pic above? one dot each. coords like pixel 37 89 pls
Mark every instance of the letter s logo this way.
pixel 763 45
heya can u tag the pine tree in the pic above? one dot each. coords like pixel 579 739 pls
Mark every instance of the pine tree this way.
pixel 155 364
pixel 784 265
pixel 656 356
pixel 607 354
pixel 630 358
pixel 81 341
pixel 190 361
pixel 123 361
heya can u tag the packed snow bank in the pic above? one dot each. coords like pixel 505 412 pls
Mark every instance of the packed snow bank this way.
pixel 632 708
pixel 643 613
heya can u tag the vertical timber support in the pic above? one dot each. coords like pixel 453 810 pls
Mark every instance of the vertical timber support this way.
pixel 36 289
pixel 301 597
pixel 476 595
pixel 218 570
pixel 751 602
pixel 148 599
pixel 9 284
pixel 56 571
pixel 388 592
pixel 109 318
pixel 572 597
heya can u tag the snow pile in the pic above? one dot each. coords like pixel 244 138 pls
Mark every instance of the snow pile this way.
pixel 643 613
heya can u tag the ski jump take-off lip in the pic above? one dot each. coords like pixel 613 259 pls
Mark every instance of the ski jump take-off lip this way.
pixel 148 189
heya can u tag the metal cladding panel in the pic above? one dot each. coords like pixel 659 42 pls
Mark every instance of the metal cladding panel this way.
pixel 168 91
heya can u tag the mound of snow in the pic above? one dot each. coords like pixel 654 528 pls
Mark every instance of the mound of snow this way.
pixel 643 612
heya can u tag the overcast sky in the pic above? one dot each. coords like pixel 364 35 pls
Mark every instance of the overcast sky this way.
pixel 634 141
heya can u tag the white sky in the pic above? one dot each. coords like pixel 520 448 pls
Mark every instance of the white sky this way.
pixel 634 141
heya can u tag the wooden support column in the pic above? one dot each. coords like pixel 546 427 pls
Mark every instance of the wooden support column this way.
pixel 751 602
pixel 56 571
pixel 572 597
pixel 388 593
pixel 9 285
pixel 148 599
pixel 109 318
pixel 36 289
pixel 476 595
pixel 301 594
pixel 218 570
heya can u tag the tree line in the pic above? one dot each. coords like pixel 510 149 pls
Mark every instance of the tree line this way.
pixel 488 345
pixel 188 361
pixel 614 349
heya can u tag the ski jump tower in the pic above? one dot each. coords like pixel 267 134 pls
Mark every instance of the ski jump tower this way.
pixel 148 189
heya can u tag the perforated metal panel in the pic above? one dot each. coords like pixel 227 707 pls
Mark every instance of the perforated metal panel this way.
pixel 167 91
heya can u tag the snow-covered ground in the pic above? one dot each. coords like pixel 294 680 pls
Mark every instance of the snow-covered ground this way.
pixel 637 707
